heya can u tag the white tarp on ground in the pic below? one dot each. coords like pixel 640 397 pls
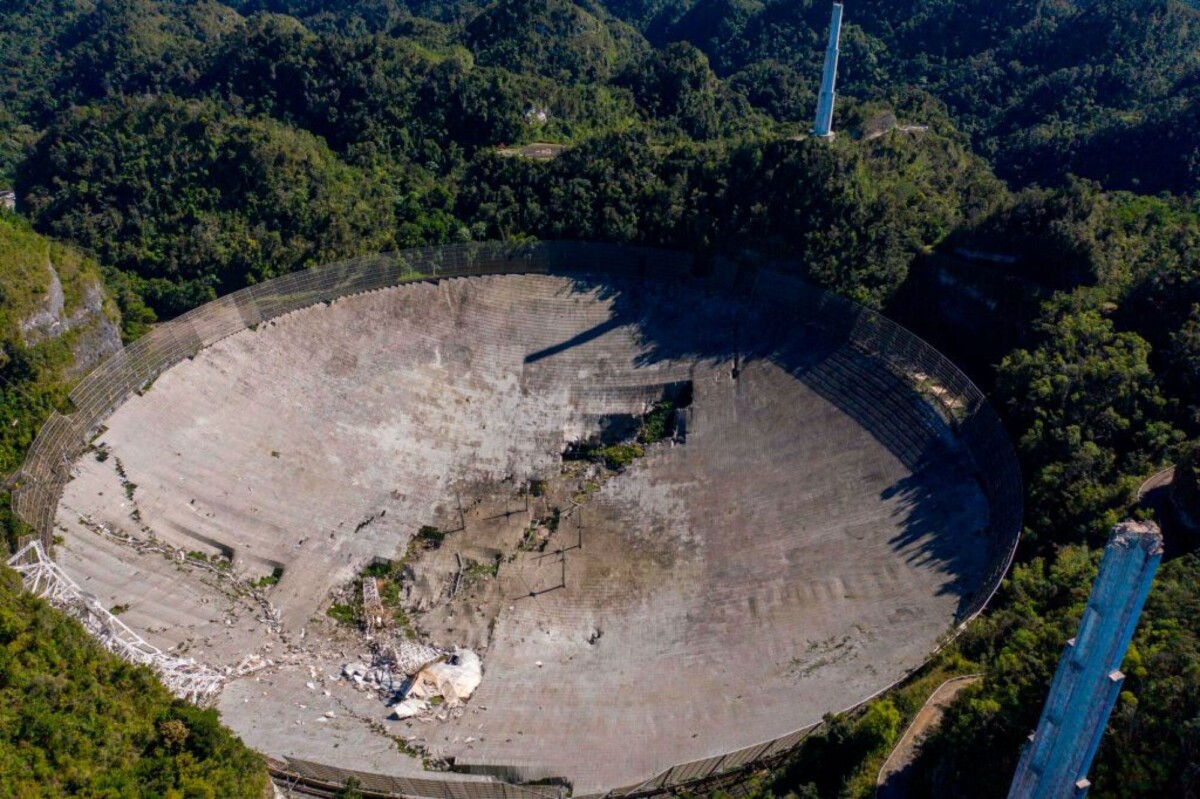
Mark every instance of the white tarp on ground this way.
pixel 454 679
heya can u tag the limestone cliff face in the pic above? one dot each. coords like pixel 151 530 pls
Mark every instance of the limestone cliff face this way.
pixel 96 333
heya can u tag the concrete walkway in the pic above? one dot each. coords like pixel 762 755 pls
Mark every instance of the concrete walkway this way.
pixel 896 775
pixel 1163 479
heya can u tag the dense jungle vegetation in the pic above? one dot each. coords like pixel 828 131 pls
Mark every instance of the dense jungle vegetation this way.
pixel 76 721
pixel 1015 181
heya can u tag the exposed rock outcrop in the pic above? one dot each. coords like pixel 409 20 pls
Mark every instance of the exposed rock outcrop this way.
pixel 97 334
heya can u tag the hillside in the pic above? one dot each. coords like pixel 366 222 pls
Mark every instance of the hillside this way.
pixel 1043 89
pixel 56 322
pixel 76 721
pixel 555 39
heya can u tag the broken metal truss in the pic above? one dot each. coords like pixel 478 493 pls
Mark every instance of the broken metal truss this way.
pixel 409 657
pixel 373 605
pixel 184 677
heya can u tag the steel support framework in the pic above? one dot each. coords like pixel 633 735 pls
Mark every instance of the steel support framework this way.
pixel 184 677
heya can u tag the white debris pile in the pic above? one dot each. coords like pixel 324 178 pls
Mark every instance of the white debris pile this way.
pixel 454 679
pixel 408 708
pixel 249 665
pixel 448 681
pixel 373 678
pixel 417 677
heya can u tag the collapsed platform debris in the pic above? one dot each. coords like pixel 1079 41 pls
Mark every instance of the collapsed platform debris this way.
pixel 416 677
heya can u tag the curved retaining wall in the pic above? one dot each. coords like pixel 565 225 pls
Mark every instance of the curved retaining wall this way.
pixel 948 392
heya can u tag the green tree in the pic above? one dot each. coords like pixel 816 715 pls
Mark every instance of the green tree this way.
pixel 1186 485
pixel 675 86
pixel 1185 360
pixel 977 745
pixel 1090 416
pixel 77 721
pixel 557 39
pixel 191 201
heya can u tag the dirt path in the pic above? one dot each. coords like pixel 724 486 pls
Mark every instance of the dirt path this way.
pixel 895 776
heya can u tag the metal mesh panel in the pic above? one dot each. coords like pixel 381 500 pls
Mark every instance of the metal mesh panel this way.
pixel 745 757
pixel 50 455
pixel 188 340
pixel 220 318
pixel 696 770
pixel 105 388
pixel 243 301
pixel 947 392
pixel 157 351
pixel 382 784
pixel 941 384
pixel 36 504
pixel 787 743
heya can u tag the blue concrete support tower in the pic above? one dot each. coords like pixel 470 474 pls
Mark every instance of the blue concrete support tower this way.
pixel 1055 762
pixel 823 127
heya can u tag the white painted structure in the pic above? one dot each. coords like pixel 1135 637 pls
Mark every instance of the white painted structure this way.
pixel 185 677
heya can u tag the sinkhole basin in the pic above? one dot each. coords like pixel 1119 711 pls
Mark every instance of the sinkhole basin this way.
pixel 820 518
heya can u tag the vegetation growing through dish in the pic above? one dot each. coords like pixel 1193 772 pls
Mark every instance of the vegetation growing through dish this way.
pixel 347 608
pixel 654 426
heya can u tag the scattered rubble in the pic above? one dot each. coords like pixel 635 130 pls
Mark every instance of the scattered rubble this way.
pixel 415 678
pixel 241 587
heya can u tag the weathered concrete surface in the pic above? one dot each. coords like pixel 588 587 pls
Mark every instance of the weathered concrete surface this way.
pixel 807 545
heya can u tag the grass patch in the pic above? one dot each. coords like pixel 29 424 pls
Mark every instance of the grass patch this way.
pixel 378 569
pixel 388 577
pixel 389 592
pixel 431 536
pixel 216 561
pixel 659 424
pixel 619 456
pixel 348 614
pixel 615 457
pixel 126 483
pixel 482 570
pixel 268 580
pixel 531 541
